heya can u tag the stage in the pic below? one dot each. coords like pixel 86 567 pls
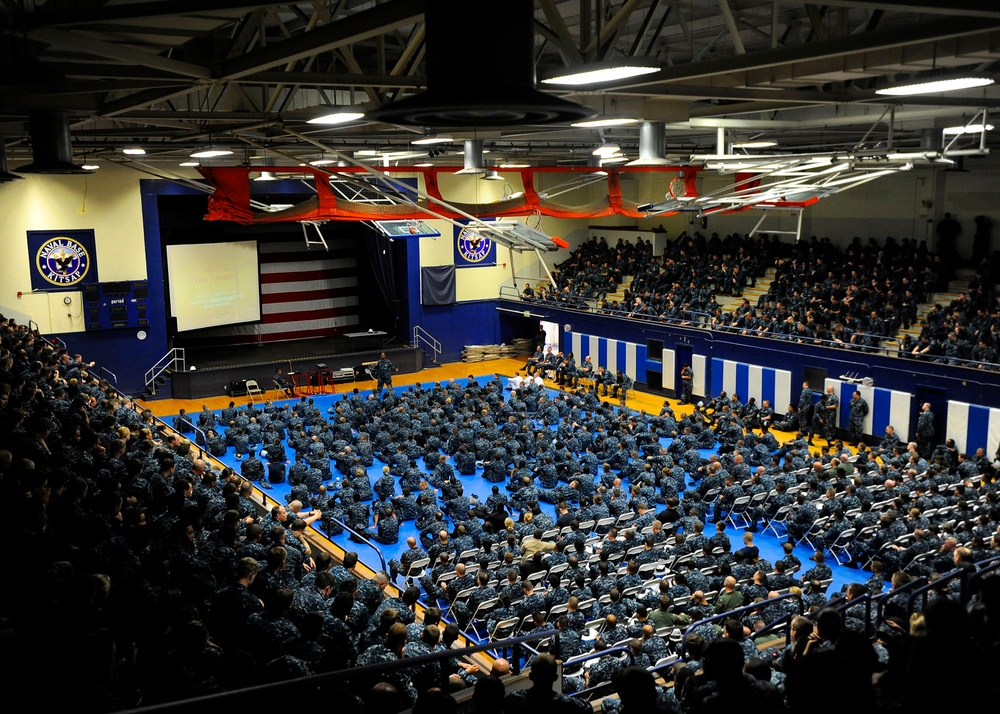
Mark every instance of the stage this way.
pixel 212 371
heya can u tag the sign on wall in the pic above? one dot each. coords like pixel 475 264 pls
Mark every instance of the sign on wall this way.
pixel 473 249
pixel 62 260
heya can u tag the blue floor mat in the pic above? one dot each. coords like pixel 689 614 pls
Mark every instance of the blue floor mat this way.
pixel 770 546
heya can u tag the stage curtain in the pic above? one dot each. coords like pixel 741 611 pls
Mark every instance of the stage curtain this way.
pixel 380 253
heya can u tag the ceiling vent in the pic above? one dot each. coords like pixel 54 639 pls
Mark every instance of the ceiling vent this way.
pixel 472 89
pixel 51 150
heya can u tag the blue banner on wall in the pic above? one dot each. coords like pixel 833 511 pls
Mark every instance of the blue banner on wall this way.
pixel 473 249
pixel 62 260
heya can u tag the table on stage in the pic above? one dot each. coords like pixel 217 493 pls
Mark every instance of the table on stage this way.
pixel 300 383
pixel 370 334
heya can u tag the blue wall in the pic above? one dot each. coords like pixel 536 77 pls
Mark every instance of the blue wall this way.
pixel 959 384
pixel 454 326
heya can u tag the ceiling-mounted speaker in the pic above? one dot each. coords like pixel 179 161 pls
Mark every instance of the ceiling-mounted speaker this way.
pixel 51 149
pixel 472 89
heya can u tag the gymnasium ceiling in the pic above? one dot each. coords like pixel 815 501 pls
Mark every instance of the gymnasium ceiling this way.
pixel 171 75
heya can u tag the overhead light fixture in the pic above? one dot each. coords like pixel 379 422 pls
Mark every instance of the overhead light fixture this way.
pixel 322 162
pixel 432 140
pixel 607 121
pixel 603 72
pixel 90 167
pixel 754 144
pixel 211 152
pixel 935 86
pixel 514 165
pixel 189 163
pixel 266 176
pixel 491 172
pixel 133 151
pixel 337 115
pixel 606 150
pixel 967 129
pixel 613 159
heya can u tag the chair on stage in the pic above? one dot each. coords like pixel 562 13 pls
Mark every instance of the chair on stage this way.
pixel 253 389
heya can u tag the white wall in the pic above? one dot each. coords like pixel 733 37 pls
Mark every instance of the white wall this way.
pixel 107 201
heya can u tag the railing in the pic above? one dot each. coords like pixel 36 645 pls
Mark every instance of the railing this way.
pixel 105 372
pixel 735 613
pixel 329 683
pixel 363 539
pixel 422 338
pixel 174 359
pixel 703 321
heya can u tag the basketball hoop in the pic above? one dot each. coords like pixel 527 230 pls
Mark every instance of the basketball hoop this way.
pixel 413 226
pixel 677 188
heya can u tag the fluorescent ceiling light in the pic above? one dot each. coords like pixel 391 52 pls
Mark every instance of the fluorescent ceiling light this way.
pixel 133 151
pixel 968 129
pixel 190 163
pixel 266 176
pixel 607 121
pixel 322 162
pixel 338 116
pixel 616 159
pixel 754 144
pixel 606 150
pixel 210 152
pixel 424 165
pixel 432 140
pixel 514 165
pixel 932 86
pixel 594 74
pixel 90 167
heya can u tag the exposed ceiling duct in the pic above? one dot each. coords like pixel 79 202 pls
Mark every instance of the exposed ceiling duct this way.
pixel 51 150
pixel 495 88
pixel 473 157
pixel 6 175
pixel 652 145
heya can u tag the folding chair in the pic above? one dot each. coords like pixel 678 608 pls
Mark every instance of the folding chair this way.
pixel 417 568
pixel 780 517
pixel 484 610
pixel 738 511
pixel 813 531
pixel 840 547
pixel 253 389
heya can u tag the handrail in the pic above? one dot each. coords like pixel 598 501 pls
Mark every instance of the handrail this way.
pixel 511 292
pixel 318 683
pixel 114 377
pixel 735 612
pixel 881 599
pixel 422 335
pixel 175 357
pixel 363 539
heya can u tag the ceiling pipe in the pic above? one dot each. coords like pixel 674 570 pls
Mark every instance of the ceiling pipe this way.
pixel 51 149
pixel 652 144
pixel 495 88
